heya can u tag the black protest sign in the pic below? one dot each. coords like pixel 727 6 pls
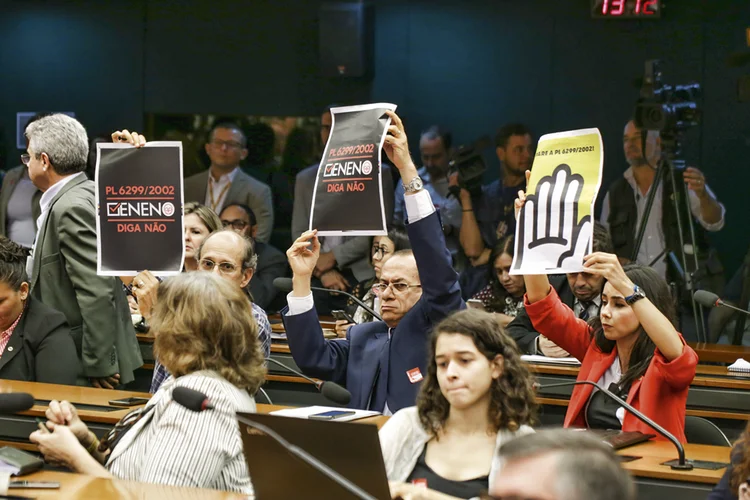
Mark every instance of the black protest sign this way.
pixel 348 196
pixel 139 202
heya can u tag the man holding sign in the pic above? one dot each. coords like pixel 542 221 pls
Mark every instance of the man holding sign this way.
pixel 381 362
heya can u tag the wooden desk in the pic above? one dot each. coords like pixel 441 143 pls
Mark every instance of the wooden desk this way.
pixel 79 486
pixel 720 353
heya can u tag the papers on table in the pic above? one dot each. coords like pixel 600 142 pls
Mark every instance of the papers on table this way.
pixel 535 358
pixel 306 411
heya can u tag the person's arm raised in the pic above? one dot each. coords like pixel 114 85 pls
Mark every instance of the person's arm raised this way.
pixel 537 285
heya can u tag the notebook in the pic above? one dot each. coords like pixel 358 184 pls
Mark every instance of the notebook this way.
pixel 740 365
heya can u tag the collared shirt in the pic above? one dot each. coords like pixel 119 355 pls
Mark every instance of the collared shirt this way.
pixel 216 191
pixel 653 244
pixel 44 203
pixel 594 308
pixel 264 337
pixel 418 206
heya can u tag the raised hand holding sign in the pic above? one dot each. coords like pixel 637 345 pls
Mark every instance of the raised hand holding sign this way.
pixel 555 223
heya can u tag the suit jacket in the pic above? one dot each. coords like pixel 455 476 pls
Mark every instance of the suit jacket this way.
pixel 522 330
pixel 41 348
pixel 244 189
pixel 64 278
pixel 272 264
pixel 10 180
pixel 354 252
pixel 354 361
pixel 661 393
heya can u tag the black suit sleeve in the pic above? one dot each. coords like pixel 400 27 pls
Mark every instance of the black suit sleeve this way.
pixel 522 331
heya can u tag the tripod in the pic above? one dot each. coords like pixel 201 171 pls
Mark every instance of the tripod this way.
pixel 667 167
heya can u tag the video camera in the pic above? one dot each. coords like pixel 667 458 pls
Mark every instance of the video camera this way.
pixel 670 109
pixel 467 160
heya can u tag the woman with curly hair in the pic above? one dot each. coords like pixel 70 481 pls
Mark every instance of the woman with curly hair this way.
pixel 476 396
pixel 735 483
pixel 206 337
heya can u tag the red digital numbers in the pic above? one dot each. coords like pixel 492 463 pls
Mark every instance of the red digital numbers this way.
pixel 629 8
pixel 649 7
pixel 618 7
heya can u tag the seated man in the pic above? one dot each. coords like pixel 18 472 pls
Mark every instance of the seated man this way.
pixel 233 257
pixel 271 262
pixel 382 362
pixel 580 291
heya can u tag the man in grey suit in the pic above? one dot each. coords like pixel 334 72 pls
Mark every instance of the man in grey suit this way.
pixel 63 263
pixel 344 260
pixel 225 183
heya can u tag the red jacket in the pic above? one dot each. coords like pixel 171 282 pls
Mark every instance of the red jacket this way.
pixel 660 394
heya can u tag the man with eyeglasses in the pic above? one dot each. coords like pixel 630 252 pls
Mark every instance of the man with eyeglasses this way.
pixel 381 363
pixel 225 183
pixel 271 261
pixel 559 464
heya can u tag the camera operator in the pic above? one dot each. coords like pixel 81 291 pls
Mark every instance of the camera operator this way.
pixel 487 214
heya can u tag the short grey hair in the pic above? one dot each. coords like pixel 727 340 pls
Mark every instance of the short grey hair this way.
pixel 63 139
pixel 247 253
pixel 586 467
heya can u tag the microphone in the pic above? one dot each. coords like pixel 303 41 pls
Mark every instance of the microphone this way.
pixel 190 399
pixel 709 299
pixel 331 390
pixel 681 463
pixel 13 402
pixel 285 285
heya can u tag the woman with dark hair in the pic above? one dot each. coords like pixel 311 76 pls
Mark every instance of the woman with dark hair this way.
pixel 477 395
pixel 383 248
pixel 206 337
pixel 735 483
pixel 504 294
pixel 632 348
pixel 35 340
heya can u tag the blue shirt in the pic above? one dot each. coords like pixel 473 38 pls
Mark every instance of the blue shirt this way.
pixel 264 337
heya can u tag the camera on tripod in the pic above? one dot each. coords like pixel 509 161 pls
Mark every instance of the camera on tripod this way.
pixel 467 160
pixel 670 109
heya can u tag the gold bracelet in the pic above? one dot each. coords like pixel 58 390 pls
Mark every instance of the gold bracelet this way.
pixel 94 444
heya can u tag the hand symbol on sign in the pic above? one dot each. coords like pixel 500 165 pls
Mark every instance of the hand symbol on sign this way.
pixel 548 223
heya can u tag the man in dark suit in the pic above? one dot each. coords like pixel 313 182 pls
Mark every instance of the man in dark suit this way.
pixel 225 183
pixel 381 362
pixel 344 260
pixel 63 263
pixel 580 291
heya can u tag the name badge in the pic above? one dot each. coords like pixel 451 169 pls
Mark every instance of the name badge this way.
pixel 414 375
pixel 422 483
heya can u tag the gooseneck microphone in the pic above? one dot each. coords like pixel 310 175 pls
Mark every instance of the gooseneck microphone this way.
pixel 331 390
pixel 197 401
pixel 286 285
pixel 709 299
pixel 13 402
pixel 681 463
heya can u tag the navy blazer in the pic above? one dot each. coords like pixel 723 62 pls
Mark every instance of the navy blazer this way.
pixel 353 361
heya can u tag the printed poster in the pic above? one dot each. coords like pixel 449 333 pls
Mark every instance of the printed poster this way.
pixel 139 209
pixel 348 195
pixel 555 225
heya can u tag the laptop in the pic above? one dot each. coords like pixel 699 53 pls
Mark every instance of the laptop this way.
pixel 351 449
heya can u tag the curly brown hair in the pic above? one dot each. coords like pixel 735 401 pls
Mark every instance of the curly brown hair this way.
pixel 204 322
pixel 513 402
pixel 740 460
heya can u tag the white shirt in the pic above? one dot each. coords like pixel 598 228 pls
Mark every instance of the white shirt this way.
pixel 44 203
pixel 220 190
pixel 653 238
pixel 418 206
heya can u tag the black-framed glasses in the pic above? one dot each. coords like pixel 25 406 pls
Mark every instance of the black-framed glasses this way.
pixel 382 250
pixel 237 224
pixel 25 159
pixel 229 144
pixel 400 287
pixel 224 267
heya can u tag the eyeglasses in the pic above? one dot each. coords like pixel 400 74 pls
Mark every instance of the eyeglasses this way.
pixel 25 159
pixel 229 144
pixel 224 267
pixel 380 288
pixel 237 224
pixel 383 251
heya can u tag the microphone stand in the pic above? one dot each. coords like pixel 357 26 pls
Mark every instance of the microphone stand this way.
pixel 309 459
pixel 681 464
pixel 285 285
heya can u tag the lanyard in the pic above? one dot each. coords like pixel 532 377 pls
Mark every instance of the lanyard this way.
pixel 215 203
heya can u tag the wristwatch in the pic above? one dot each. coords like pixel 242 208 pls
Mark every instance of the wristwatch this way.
pixel 637 295
pixel 414 185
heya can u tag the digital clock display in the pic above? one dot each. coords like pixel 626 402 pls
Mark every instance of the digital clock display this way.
pixel 626 9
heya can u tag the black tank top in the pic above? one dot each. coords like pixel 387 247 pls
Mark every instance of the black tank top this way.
pixel 461 489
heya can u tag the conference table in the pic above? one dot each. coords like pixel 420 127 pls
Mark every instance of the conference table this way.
pixel 654 479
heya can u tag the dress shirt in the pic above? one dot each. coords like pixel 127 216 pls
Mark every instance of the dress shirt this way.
pixel 418 206
pixel 220 189
pixel 653 238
